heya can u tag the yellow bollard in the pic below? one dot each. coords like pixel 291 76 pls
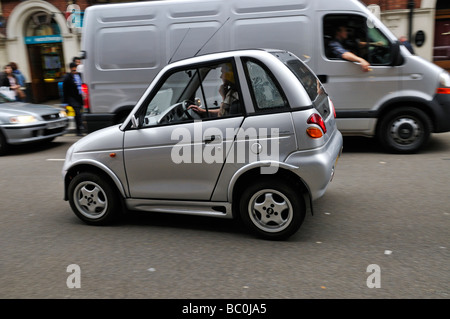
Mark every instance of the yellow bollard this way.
pixel 70 111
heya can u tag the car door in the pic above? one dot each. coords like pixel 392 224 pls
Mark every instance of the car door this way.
pixel 177 153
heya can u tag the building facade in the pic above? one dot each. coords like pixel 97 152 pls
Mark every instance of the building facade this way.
pixel 426 23
pixel 42 37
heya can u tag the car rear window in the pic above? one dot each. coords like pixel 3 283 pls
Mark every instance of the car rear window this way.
pixel 311 83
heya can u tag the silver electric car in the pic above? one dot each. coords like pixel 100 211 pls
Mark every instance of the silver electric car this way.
pixel 247 134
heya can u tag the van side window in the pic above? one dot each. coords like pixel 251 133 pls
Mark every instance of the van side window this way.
pixel 265 91
pixel 363 38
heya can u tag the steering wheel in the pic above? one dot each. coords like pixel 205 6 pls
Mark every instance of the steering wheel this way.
pixel 190 113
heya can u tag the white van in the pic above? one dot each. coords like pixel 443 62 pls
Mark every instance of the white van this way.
pixel 402 100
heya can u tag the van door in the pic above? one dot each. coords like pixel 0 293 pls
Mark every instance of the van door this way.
pixel 356 94
pixel 178 153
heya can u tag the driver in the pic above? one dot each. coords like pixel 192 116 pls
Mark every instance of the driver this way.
pixel 339 51
pixel 227 90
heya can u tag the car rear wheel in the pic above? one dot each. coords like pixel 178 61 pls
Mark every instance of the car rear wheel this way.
pixel 404 130
pixel 271 209
pixel 93 200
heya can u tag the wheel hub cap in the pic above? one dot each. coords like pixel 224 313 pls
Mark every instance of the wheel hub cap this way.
pixel 405 131
pixel 270 210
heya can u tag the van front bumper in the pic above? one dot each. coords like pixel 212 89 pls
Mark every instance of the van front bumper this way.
pixel 441 107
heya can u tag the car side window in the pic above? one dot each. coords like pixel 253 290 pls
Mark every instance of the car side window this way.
pixel 207 91
pixel 265 91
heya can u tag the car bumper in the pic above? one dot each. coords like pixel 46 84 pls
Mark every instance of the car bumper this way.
pixel 317 167
pixel 23 134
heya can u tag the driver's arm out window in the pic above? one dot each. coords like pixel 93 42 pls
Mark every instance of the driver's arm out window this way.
pixel 363 38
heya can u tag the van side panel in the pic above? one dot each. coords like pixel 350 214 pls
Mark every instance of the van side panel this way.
pixel 127 44
pixel 117 63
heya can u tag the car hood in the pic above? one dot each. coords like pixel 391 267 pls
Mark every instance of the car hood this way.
pixel 106 139
pixel 19 108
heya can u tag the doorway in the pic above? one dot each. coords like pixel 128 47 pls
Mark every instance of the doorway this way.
pixel 45 55
pixel 47 69
pixel 441 50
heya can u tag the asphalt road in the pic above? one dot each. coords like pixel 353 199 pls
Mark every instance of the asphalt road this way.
pixel 384 222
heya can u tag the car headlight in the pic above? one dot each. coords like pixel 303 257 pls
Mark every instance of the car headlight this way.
pixel 62 113
pixel 22 119
pixel 444 79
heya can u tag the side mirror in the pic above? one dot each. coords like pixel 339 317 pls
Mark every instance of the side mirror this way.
pixel 397 58
pixel 134 122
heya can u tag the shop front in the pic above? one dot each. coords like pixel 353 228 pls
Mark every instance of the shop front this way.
pixel 40 41
pixel 45 56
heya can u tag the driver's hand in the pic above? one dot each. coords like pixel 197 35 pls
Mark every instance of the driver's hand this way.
pixel 196 108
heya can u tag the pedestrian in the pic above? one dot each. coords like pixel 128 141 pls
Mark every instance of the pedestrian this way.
pixel 406 43
pixel 9 80
pixel 77 61
pixel 20 80
pixel 73 95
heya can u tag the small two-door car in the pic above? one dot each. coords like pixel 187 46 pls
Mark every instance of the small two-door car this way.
pixel 247 134
pixel 24 123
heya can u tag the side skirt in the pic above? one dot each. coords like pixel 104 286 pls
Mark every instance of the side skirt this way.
pixel 212 209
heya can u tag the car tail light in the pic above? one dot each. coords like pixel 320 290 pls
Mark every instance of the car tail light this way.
pixel 85 90
pixel 316 132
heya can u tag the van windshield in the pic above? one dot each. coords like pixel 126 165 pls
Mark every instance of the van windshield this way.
pixel 310 82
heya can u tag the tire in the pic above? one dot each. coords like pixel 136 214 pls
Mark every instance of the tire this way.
pixel 405 130
pixel 93 200
pixel 272 209
pixel 3 144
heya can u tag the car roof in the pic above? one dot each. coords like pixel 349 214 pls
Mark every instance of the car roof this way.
pixel 223 55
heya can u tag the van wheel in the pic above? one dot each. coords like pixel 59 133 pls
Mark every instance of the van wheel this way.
pixel 271 209
pixel 404 130
pixel 93 200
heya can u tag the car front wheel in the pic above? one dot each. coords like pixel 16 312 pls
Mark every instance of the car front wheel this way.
pixel 271 209
pixel 93 200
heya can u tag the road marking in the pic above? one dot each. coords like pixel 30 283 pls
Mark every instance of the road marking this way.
pixel 55 159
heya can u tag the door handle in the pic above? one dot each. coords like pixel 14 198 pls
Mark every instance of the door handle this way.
pixel 210 139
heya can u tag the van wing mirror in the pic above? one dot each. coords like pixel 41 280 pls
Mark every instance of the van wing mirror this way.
pixel 397 58
pixel 82 55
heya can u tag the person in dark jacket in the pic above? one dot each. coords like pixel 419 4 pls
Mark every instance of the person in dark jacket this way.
pixel 8 79
pixel 73 96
